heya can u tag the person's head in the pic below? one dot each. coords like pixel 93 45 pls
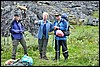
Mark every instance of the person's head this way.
pixel 45 16
pixel 58 16
pixel 16 17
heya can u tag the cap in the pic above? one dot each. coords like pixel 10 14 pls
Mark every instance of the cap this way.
pixel 16 15
pixel 57 14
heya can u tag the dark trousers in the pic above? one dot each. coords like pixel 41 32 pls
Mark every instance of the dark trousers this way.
pixel 42 45
pixel 62 43
pixel 15 44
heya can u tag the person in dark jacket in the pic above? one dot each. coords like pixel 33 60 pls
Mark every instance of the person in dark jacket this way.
pixel 17 31
pixel 62 25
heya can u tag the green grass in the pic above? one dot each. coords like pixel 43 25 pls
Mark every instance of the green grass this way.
pixel 83 48
pixel 95 14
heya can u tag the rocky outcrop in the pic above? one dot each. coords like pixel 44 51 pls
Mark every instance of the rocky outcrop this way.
pixel 80 9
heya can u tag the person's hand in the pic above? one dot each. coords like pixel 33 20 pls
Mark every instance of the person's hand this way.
pixel 21 31
pixel 35 21
pixel 56 27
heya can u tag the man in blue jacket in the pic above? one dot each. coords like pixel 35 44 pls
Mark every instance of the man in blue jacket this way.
pixel 44 28
pixel 17 31
pixel 60 24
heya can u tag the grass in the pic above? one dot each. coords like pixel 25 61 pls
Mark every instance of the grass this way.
pixel 95 14
pixel 83 48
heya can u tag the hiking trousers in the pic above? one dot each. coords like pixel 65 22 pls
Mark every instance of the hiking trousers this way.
pixel 62 43
pixel 15 43
pixel 42 46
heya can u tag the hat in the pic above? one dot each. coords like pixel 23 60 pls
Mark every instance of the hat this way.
pixel 16 15
pixel 57 14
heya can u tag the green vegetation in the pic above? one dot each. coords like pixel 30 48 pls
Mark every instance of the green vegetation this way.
pixel 83 47
pixel 95 14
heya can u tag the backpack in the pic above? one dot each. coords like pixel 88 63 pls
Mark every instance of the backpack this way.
pixel 27 59
pixel 24 61
pixel 67 32
pixel 18 63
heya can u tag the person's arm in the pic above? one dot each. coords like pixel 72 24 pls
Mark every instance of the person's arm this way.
pixel 37 22
pixel 51 27
pixel 14 30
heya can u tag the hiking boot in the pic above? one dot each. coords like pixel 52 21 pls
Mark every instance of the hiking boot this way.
pixel 45 58
pixel 54 59
pixel 66 58
pixel 40 55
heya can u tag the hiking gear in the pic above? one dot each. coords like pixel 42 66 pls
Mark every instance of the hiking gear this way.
pixel 16 15
pixel 45 57
pixel 40 55
pixel 58 51
pixel 27 59
pixel 54 59
pixel 24 61
pixel 66 57
pixel 59 33
pixel 8 62
pixel 57 14
pixel 65 16
pixel 66 32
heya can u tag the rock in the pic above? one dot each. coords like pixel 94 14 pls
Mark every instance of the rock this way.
pixel 79 9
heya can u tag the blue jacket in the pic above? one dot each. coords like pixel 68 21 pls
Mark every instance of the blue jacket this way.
pixel 16 30
pixel 63 26
pixel 48 29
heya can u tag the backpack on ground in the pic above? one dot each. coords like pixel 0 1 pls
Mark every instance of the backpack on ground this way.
pixel 24 61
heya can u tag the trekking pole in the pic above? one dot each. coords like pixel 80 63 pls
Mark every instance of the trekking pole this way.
pixel 58 51
pixel 52 45
pixel 53 41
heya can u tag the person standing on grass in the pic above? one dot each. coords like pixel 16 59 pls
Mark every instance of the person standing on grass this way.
pixel 45 27
pixel 60 25
pixel 17 31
